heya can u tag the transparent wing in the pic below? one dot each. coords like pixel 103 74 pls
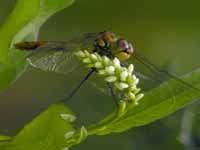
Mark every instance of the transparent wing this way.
pixel 99 84
pixel 57 56
pixel 159 75
pixel 103 88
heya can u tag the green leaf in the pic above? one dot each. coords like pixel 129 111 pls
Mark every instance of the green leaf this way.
pixel 45 132
pixel 23 24
pixel 3 138
pixel 48 129
pixel 156 104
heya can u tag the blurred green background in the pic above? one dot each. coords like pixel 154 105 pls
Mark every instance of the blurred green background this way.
pixel 167 32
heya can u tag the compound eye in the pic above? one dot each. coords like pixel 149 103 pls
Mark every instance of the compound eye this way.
pixel 123 45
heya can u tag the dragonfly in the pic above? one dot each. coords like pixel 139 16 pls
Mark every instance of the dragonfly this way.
pixel 59 57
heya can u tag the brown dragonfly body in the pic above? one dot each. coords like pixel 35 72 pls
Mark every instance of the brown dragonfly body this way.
pixel 28 46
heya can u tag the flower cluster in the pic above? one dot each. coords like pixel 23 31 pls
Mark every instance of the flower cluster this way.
pixel 122 78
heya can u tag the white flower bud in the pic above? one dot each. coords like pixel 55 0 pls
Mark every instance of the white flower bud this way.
pixel 102 72
pixel 98 65
pixel 86 53
pixel 134 77
pixel 68 117
pixel 69 134
pixel 111 79
pixel 80 54
pixel 133 87
pixel 121 85
pixel 121 69
pixel 130 68
pixel 106 60
pixel 86 60
pixel 130 80
pixel 136 90
pixel 137 81
pixel 116 62
pixel 94 57
pixel 110 69
pixel 99 57
pixel 131 95
pixel 123 75
pixel 138 98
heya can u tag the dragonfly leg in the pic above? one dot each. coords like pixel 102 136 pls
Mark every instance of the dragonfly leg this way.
pixel 80 84
pixel 112 93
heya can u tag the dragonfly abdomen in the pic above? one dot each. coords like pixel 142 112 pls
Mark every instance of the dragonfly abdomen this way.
pixel 29 46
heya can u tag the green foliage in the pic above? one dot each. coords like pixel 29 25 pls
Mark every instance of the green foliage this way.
pixel 159 102
pixel 3 138
pixel 48 129
pixel 46 132
pixel 23 24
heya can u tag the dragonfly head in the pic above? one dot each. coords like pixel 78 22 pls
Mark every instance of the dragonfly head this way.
pixel 124 50
pixel 110 44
